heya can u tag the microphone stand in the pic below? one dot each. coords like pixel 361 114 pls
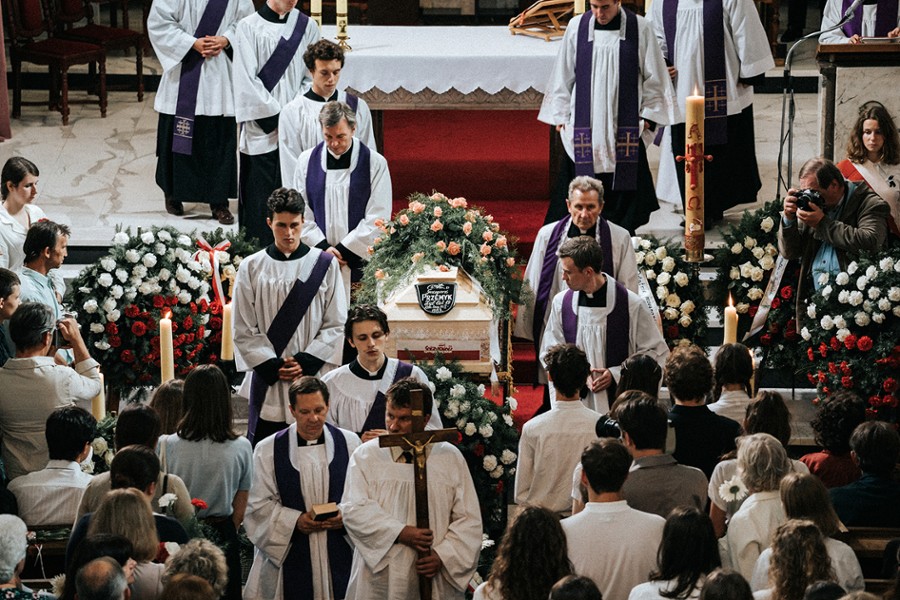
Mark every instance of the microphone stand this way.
pixel 788 108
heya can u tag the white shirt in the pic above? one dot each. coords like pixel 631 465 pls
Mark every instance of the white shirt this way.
pixel 751 528
pixel 727 469
pixel 843 561
pixel 50 496
pixel 732 405
pixel 652 590
pixel 12 242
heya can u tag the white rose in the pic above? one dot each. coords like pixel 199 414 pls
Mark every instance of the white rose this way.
pixel 108 263
pixel 662 292
pixel 826 323
pixel 139 271
pixel 754 293
pixel 90 306
pixel 650 259
pixel 884 304
pixel 497 473
pixel 670 314
pixel 163 235
pixel 113 315
pixel 661 252
pixel 742 307
pixel 685 321
pixel 673 300
pixel 97 328
pixel 852 268
pixel 688 307
pixel 896 310
pixel 758 253
pixel 490 462
pixel 452 409
pixel 443 374
pixel 159 249
pixel 767 263
pixel 756 273
pixel 108 305
pixel 771 250
pixel 856 298
pixel 843 296
pixel 737 248
pixel 164 274
pixel 871 271
pixel 840 322
pixel 811 311
pixel 184 297
pixel 735 273
pixel 149 260
pixel 101 345
pixel 862 319
pixel 645 244
pixel 147 237
pixel 508 420
pixel 826 291
pixel 120 239
pixel 184 240
pixel 132 255
pixel 878 317
pixel 486 431
pixel 681 279
pixel 749 242
pixel 116 291
pixel 745 269
pixel 457 391
pixel 650 274
pixel 663 278
pixel 470 429
pixel 122 275
pixel 767 224
pixel 668 264
pixel 861 282
pixel 841 334
pixel 874 293
pixel 841 279
pixel 508 457
pixel 639 257
pixel 513 403
pixel 105 279
pixel 894 293
pixel 804 333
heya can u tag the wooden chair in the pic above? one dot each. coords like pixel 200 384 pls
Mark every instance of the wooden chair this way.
pixel 68 15
pixel 30 19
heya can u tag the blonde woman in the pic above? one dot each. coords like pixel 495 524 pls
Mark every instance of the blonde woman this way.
pixel 799 559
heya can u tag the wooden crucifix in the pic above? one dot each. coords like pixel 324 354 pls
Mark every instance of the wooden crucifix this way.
pixel 416 442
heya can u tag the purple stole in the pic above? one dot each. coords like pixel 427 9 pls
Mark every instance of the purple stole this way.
pixel 284 53
pixel 885 18
pixel 353 102
pixel 617 325
pixel 375 418
pixel 282 329
pixel 715 88
pixel 189 81
pixel 296 571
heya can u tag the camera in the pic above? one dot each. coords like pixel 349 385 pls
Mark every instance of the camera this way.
pixel 608 427
pixel 58 340
pixel 807 197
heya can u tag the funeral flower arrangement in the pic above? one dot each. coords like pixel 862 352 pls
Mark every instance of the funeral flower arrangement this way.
pixel 678 292
pixel 853 334
pixel 436 230
pixel 102 451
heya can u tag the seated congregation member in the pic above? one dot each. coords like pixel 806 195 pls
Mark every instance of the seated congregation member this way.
pixel 833 425
pixel 733 371
pixel 701 436
pixel 35 375
pixel 117 547
pixel 725 584
pixel 289 307
pixel 805 497
pixel 214 462
pixel 602 317
pixel 139 425
pixel 551 443
pixel 104 579
pixel 51 496
pixel 615 567
pixel 134 467
pixel 202 558
pixel 9 302
pixel 298 125
pixel 188 587
pixel 13 548
pixel 762 463
pixel 872 500
pixel 798 559
pixel 379 514
pixel 641 373
pixel 347 186
pixel 293 471
pixel 167 403
pixel 46 247
pixel 520 573
pixel 358 389
pixel 687 554
pixel 766 414
pixel 573 587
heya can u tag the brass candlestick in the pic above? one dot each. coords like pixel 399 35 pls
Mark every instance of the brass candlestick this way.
pixel 342 36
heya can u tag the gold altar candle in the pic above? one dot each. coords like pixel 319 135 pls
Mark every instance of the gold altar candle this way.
pixel 694 232
pixel 166 349
pixel 579 6
pixel 227 352
pixel 315 11
pixel 342 23
pixel 98 403
pixel 731 321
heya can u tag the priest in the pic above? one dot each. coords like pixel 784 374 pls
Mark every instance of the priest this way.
pixel 603 318
pixel 609 84
pixel 874 18
pixel 295 472
pixel 289 306
pixel 358 390
pixel 298 126
pixel 719 49
pixel 379 514
pixel 268 73
pixel 196 148
pixel 348 188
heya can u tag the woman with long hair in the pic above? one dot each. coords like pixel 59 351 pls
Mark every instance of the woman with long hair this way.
pixel 799 558
pixel 687 553
pixel 640 372
pixel 733 370
pixel 213 461
pixel 168 403
pixel 805 497
pixel 520 573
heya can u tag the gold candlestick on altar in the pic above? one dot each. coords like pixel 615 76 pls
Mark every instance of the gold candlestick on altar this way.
pixel 694 223
pixel 342 23
pixel 315 11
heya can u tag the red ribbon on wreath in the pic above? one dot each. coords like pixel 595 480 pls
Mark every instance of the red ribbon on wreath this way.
pixel 214 261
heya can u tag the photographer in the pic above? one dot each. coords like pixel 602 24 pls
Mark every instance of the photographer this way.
pixel 827 222
pixel 32 384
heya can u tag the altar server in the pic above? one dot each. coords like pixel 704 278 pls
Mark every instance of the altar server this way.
pixel 872 19
pixel 602 317
pixel 196 147
pixel 358 389
pixel 268 73
pixel 289 306
pixel 544 272
pixel 380 516
pixel 299 128
pixel 608 85
pixel 293 470
pixel 718 49
pixel 348 189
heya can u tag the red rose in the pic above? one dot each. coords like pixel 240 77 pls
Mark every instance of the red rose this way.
pixel 138 328
pixel 874 401
pixel 832 368
pixel 151 324
pixel 865 343
pixel 216 338
pixel 215 323
pixel 158 301
pixel 847 382
pixel 172 300
pixel 786 292
pixel 215 308
pixel 890 385
pixel 752 310
pixel 112 329
pixel 148 358
pixel 776 302
pixel 204 305
pixel 188 323
pixel 810 354
pixel 115 341
pixel 127 356
pixel 478 450
pixel 199 504
pixel 850 342
pixel 131 311
pixel 765 339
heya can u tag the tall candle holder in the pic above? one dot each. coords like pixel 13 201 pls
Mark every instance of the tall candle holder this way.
pixel 342 36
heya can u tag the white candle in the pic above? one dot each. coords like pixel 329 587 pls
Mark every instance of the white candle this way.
pixel 579 7
pixel 315 10
pixel 694 228
pixel 731 321
pixel 342 7
pixel 227 352
pixel 98 403
pixel 166 349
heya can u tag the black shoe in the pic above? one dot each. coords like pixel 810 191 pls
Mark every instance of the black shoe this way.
pixel 174 207
pixel 223 215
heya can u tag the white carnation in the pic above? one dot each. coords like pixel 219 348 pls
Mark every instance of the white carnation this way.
pixel 767 224
pixel 105 279
pixel 139 271
pixel 182 274
pixel 840 322
pixel 826 323
pixel 147 237
pixel 120 239
pixel 896 310
pixel 184 240
pixel 886 264
pixel 508 457
pixel 113 315
pixel 149 260
pixel 101 345
pixel 90 306
pixel 132 255
pixel 100 446
pixel 163 235
pixel 146 288
pixel 862 318
pixel 841 279
pixel 844 297
pixel 470 429
pixel 490 462
pixel 116 291
pixel 159 249
pixel 508 420
pixel 871 271
pixel 852 268
pixel 122 275
pixel 457 391
pixel 663 278
pixel 884 304
pixel 804 333
pixel 167 500
pixel 481 389
pixel 894 293
pixel 108 305
pixel 443 374
pixel 108 263
pixel 184 297
pixel 164 274
pixel 96 328
pixel 451 411
pixel 841 334
pixel 513 403
pixel 497 473
pixel 874 293
pixel 826 291
pixel 823 278
pixel 668 264
pixel 861 282
pixel 856 298
pixel 878 317
pixel 193 283
pixel 811 311
pixel 486 431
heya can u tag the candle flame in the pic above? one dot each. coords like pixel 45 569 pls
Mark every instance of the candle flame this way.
pixel 696 90
pixel 167 315
pixel 730 300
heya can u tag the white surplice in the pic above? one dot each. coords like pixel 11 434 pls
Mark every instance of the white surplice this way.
pixel 351 397
pixel 170 26
pixel 379 501
pixel 256 40
pixel 643 336
pixel 270 524
pixel 656 98
pixel 262 285
pixel 831 16
pixel 299 129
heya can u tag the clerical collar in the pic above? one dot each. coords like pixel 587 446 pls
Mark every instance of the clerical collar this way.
pixel 614 25
pixel 363 373
pixel 575 232
pixel 333 162
pixel 317 442
pixel 595 300
pixel 265 11
pixel 273 252
pixel 317 98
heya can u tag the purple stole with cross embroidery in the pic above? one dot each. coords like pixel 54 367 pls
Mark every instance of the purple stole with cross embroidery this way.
pixel 353 103
pixel 715 87
pixel 297 571
pixel 885 18
pixel 189 80
pixel 375 418
pixel 617 325
pixel 282 329
pixel 284 53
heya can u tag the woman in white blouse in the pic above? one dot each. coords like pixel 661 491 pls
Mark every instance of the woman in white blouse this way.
pixel 17 213
pixel 799 559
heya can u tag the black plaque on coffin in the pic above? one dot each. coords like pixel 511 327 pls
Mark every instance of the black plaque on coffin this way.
pixel 436 298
